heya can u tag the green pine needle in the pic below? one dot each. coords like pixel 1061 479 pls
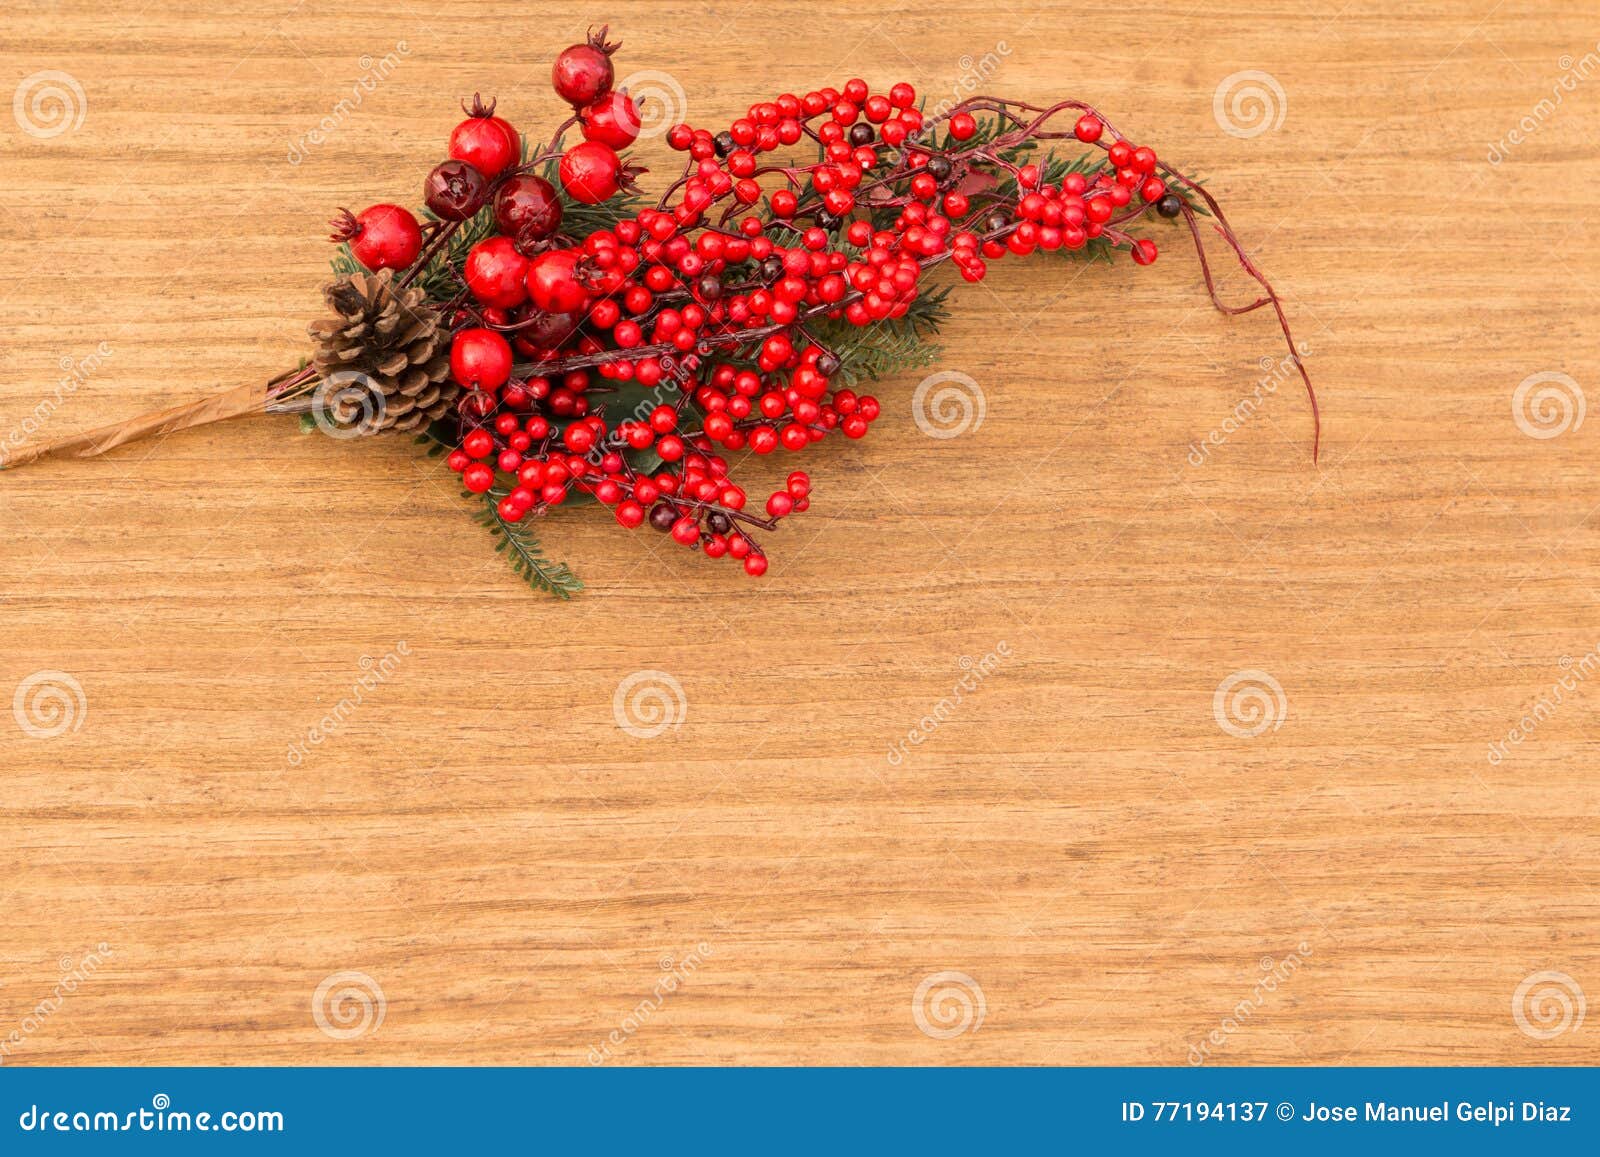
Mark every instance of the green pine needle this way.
pixel 526 556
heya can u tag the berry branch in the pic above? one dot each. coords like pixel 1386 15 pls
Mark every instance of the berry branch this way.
pixel 565 342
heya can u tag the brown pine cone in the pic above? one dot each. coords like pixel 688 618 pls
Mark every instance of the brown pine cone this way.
pixel 384 355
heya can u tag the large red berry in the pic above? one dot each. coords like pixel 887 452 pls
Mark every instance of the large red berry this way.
pixel 611 120
pixel 591 172
pixel 496 273
pixel 382 237
pixel 485 141
pixel 553 282
pixel 480 359
pixel 527 208
pixel 582 74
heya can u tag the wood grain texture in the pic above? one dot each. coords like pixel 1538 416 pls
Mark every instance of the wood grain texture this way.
pixel 1116 872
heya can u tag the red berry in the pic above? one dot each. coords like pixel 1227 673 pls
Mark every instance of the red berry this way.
pixel 591 172
pixel 780 504
pixel 383 237
pixel 630 514
pixel 1144 252
pixel 1088 128
pixel 686 530
pixel 1119 154
pixel 553 282
pixel 480 359
pixel 458 460
pixel 962 126
pixel 611 120
pixel 578 438
pixel 485 141
pixel 1153 189
pixel 478 477
pixel 755 565
pixel 583 73
pixel 527 207
pixel 478 443
pixel 496 273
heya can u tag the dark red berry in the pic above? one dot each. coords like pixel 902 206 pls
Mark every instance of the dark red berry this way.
pixel 454 190
pixel 527 208
pixel 583 73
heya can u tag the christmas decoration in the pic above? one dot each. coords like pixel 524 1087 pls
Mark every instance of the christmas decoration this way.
pixel 560 341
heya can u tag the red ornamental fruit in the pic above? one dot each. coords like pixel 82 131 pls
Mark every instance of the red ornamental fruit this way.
pixel 496 273
pixel 382 237
pixel 611 120
pixel 480 359
pixel 582 74
pixel 527 208
pixel 478 477
pixel 454 190
pixel 553 282
pixel 486 142
pixel 591 172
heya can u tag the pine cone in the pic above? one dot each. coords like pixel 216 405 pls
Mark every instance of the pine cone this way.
pixel 384 353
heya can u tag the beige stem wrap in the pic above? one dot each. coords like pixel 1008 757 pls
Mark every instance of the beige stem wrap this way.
pixel 234 403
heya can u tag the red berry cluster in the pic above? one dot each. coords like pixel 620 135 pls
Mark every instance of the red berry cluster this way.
pixel 713 298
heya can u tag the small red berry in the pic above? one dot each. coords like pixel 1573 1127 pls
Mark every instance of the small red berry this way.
pixel 478 477
pixel 755 565
pixel 630 513
pixel 963 126
pixel 1088 128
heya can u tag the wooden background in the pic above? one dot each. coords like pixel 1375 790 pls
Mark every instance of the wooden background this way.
pixel 1115 872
